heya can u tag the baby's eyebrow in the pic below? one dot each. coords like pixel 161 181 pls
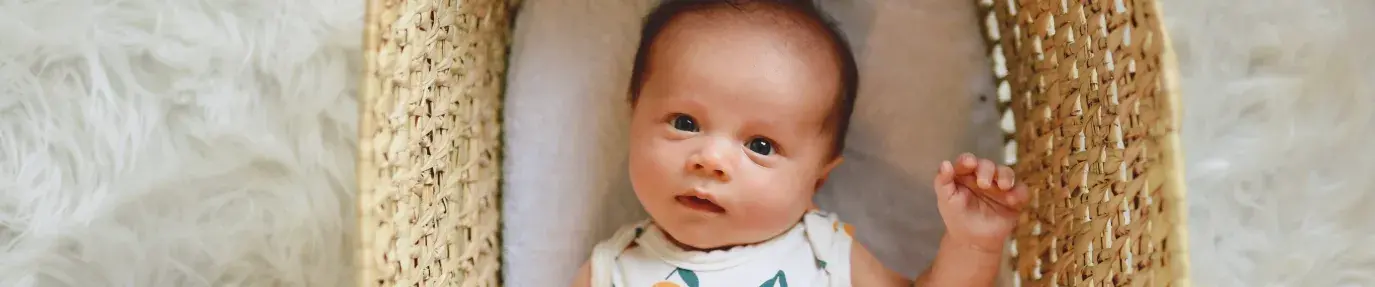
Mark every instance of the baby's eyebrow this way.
pixel 680 101
pixel 772 125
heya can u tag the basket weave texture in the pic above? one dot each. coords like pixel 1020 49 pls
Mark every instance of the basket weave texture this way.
pixel 1089 86
pixel 429 151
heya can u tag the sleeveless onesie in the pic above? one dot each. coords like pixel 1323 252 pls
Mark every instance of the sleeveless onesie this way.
pixel 814 252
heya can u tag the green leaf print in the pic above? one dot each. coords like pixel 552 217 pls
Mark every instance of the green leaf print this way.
pixel 689 277
pixel 778 280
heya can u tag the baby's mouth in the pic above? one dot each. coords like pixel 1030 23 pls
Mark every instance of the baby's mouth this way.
pixel 699 203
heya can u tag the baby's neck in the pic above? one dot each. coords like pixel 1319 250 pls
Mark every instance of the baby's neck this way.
pixel 686 247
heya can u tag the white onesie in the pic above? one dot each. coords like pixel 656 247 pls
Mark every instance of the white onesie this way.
pixel 815 252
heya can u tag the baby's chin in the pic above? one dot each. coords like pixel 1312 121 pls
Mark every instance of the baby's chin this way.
pixel 707 238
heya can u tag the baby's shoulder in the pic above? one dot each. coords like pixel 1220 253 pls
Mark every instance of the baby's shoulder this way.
pixel 625 236
pixel 605 252
pixel 860 266
pixel 820 217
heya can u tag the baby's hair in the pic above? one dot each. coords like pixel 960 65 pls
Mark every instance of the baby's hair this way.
pixel 838 120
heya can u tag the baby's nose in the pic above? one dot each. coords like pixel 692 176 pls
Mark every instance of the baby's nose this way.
pixel 713 171
pixel 710 164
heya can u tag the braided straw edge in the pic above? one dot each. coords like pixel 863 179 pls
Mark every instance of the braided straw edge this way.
pixel 485 266
pixel 370 88
pixel 1175 188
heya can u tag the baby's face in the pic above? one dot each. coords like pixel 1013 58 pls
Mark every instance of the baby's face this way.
pixel 728 142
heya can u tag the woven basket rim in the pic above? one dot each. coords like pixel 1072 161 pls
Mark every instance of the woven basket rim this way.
pixel 1174 160
pixel 369 86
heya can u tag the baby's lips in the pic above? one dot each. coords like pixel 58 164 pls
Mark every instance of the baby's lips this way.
pixel 699 203
pixel 701 193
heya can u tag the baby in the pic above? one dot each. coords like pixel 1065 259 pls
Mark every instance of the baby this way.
pixel 739 113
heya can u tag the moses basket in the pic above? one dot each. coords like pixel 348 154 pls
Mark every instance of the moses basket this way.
pixel 1089 86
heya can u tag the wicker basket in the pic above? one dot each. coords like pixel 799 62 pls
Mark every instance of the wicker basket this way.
pixel 430 145
pixel 1088 84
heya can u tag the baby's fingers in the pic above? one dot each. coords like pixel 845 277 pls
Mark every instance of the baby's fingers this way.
pixel 1012 199
pixel 945 180
pixel 1017 198
pixel 946 174
pixel 985 173
pixel 966 163
pixel 1006 177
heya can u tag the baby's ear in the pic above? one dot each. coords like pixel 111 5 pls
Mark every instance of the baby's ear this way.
pixel 826 170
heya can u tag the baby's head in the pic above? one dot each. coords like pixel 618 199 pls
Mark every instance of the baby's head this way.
pixel 739 113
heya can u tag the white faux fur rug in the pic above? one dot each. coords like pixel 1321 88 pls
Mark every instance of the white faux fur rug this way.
pixel 177 143
pixel 1279 117
pixel 195 142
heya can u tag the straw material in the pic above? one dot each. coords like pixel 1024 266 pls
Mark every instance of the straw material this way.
pixel 1086 86
pixel 1089 84
pixel 429 158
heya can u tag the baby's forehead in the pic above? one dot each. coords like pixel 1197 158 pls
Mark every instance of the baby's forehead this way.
pixel 757 29
pixel 774 19
pixel 755 51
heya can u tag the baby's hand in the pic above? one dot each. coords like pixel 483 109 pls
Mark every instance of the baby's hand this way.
pixel 979 201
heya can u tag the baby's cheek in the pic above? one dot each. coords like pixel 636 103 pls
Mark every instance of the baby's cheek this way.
pixel 773 206
pixel 652 171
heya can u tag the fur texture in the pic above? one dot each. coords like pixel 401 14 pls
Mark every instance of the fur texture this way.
pixel 177 143
pixel 1279 110
pixel 196 143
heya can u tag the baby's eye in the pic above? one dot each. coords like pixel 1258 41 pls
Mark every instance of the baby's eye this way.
pixel 684 123
pixel 761 146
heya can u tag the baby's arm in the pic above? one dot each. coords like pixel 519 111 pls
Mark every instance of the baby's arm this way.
pixel 584 278
pixel 957 265
pixel 979 202
pixel 865 270
pixel 954 266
